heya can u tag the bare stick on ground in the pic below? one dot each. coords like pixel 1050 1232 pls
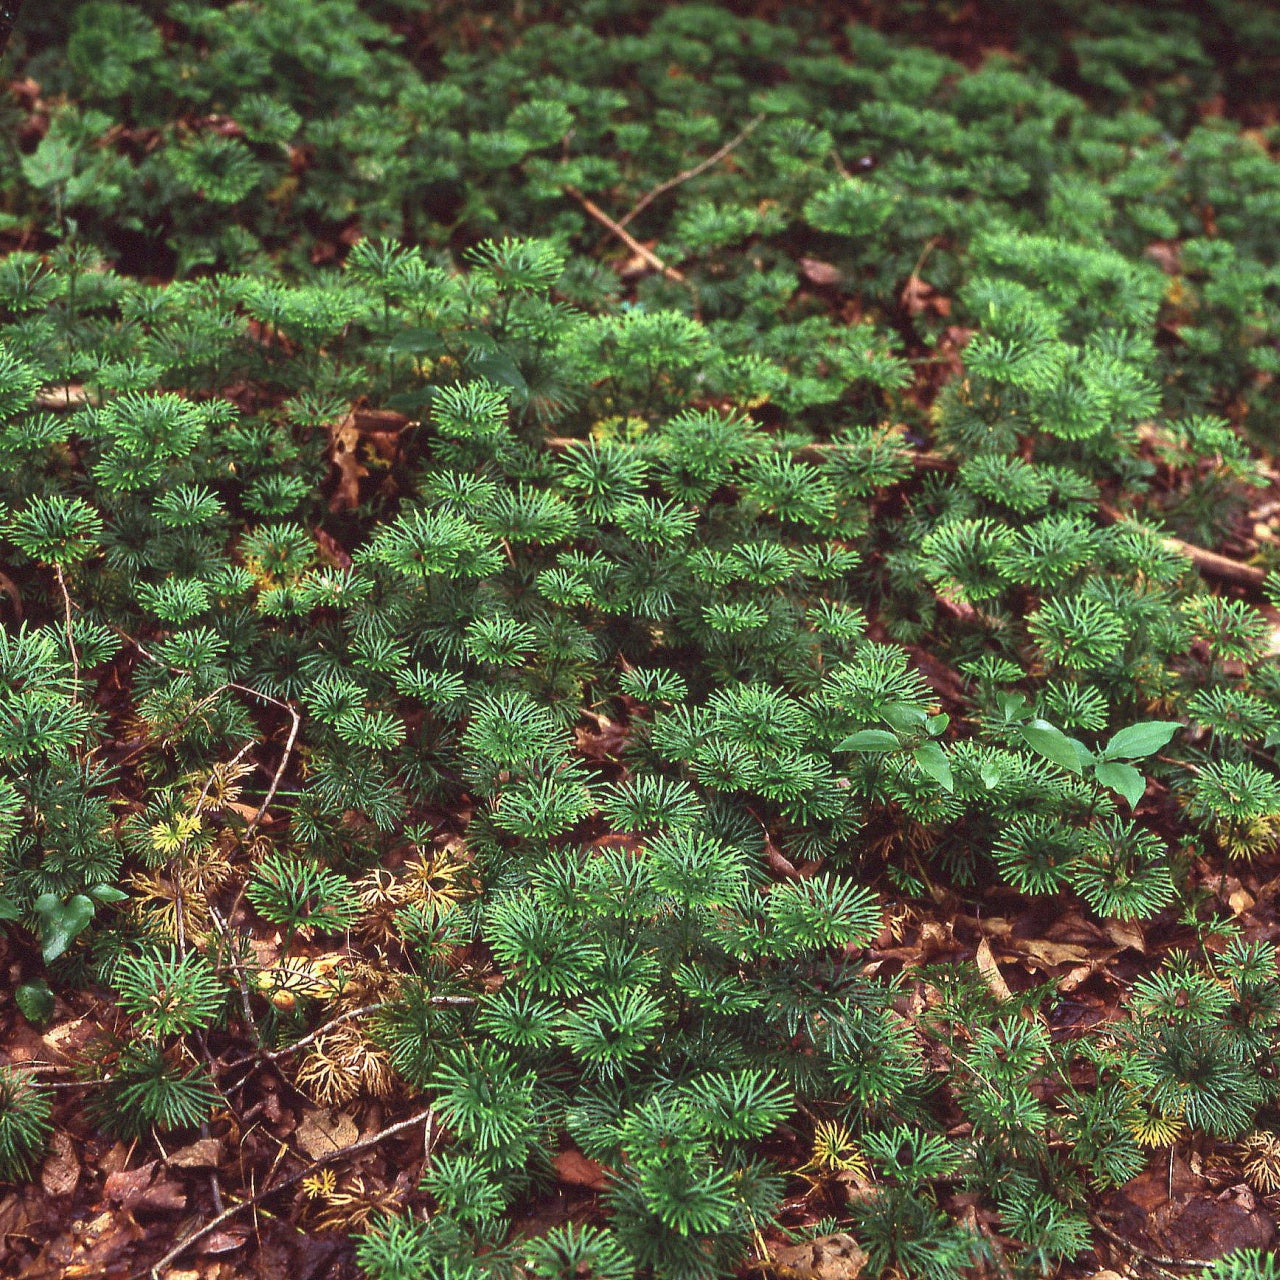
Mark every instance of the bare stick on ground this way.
pixel 625 236
pixel 686 174
pixel 365 1144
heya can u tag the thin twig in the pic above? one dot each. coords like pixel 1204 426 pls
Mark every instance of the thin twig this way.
pixel 1156 1261
pixel 1209 563
pixel 214 1186
pixel 71 643
pixel 364 1144
pixel 288 708
pixel 274 1055
pixel 685 175
pixel 237 969
pixel 625 236
pixel 284 759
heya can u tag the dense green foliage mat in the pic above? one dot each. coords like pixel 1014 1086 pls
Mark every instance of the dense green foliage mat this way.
pixel 682 601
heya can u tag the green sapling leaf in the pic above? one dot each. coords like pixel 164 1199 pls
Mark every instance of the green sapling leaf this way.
pixel 1010 705
pixel 870 740
pixel 1143 739
pixel 1051 743
pixel 933 760
pixel 1123 778
pixel 904 717
pixel 34 1001
pixel 61 922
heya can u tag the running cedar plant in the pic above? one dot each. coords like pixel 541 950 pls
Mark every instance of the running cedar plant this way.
pixel 578 688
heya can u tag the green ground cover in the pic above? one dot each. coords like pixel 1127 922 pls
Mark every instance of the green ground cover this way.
pixel 613 573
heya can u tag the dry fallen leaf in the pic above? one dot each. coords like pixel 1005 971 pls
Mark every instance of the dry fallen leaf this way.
pixel 321 1133
pixel 60 1171
pixel 204 1153
pixel 1048 954
pixel 918 295
pixel 1240 901
pixel 133 1189
pixel 576 1170
pixel 1074 978
pixel 1127 933
pixel 990 971
pixel 344 445
pixel 834 1257
pixel 823 274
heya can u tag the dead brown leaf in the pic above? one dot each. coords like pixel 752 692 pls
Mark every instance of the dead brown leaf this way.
pixel 833 1257
pixel 1166 254
pixel 321 1133
pixel 204 1153
pixel 344 453
pixel 133 1189
pixel 1240 901
pixel 1127 933
pixel 223 1241
pixel 822 274
pixel 1048 955
pixel 918 296
pixel 576 1170
pixel 60 1172
pixel 990 971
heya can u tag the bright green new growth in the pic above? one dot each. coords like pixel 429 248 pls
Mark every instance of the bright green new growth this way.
pixel 586 668
pixel 24 1123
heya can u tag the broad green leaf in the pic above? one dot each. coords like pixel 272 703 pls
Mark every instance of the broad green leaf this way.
pixel 903 716
pixel 52 162
pixel 34 1001
pixel 870 740
pixel 412 402
pixel 107 893
pixel 1051 743
pixel 937 724
pixel 500 369
pixel 933 760
pixel 1010 705
pixel 1123 778
pixel 61 922
pixel 1143 739
pixel 418 342
pixel 9 909
pixel 990 773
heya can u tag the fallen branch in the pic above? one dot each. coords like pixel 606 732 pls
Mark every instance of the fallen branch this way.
pixel 274 1055
pixel 1155 1261
pixel 1210 563
pixel 686 174
pixel 625 236
pixel 71 640
pixel 364 1144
